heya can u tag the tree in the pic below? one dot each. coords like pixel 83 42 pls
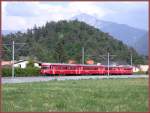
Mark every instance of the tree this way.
pixel 63 40
pixel 30 63
pixel 60 53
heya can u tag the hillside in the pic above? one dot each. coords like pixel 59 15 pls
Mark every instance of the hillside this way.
pixel 61 41
pixel 142 44
pixel 122 32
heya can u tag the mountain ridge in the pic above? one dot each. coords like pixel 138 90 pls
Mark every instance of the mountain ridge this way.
pixel 63 40
pixel 129 35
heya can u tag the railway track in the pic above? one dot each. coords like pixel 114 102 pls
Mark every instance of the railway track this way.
pixel 49 78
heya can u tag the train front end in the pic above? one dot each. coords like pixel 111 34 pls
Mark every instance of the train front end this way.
pixel 45 69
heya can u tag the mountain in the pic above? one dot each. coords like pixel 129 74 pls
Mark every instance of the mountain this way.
pixel 6 32
pixel 63 40
pixel 141 44
pixel 125 33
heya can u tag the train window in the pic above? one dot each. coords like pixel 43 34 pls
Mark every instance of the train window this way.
pixel 86 68
pixel 69 68
pixel 64 67
pixel 61 68
pixel 72 68
pixel 101 68
pixel 106 68
pixel 58 67
pixel 55 67
pixel 96 68
pixel 44 67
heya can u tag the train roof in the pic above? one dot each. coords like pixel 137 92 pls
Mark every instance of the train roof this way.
pixel 127 66
pixel 70 64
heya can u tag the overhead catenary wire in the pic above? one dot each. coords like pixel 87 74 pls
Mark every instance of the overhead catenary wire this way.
pixel 108 60
pixel 13 54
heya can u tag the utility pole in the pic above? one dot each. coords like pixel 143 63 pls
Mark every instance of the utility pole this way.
pixel 13 55
pixel 0 61
pixel 131 59
pixel 108 63
pixel 82 55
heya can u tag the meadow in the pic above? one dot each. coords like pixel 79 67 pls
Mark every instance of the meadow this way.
pixel 114 95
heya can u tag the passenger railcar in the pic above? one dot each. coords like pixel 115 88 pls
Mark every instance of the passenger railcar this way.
pixel 79 69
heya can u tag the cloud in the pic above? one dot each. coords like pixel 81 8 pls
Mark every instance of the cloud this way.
pixel 23 15
pixel 88 7
pixel 4 4
pixel 134 14
pixel 22 9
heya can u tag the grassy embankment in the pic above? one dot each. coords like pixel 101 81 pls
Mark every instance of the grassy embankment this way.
pixel 82 95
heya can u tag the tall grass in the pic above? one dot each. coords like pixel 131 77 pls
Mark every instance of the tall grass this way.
pixel 116 95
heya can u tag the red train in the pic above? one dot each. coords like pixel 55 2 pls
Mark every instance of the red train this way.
pixel 79 69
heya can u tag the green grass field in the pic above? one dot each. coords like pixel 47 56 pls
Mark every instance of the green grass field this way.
pixel 82 95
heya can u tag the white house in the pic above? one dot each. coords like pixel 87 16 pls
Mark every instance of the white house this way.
pixel 136 69
pixel 23 64
pixel 144 68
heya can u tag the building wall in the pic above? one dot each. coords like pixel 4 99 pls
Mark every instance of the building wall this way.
pixel 37 65
pixel 90 62
pixel 144 68
pixel 6 63
pixel 24 64
pixel 136 69
pixel 21 64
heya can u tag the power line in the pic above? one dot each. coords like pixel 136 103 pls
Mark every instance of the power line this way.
pixel 13 54
pixel 108 60
pixel 131 59
pixel 82 55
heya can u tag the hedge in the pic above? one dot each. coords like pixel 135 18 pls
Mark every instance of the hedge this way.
pixel 140 72
pixel 30 71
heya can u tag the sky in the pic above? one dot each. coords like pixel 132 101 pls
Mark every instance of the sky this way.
pixel 23 15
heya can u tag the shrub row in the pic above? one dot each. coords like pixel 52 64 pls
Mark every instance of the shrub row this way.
pixel 140 72
pixel 30 71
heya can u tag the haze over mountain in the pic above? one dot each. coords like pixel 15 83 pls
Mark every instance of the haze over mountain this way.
pixel 6 32
pixel 129 35
pixel 141 44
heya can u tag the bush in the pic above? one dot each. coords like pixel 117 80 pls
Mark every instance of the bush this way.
pixel 30 63
pixel 30 71
pixel 6 72
pixel 140 72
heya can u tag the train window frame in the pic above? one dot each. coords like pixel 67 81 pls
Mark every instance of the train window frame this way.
pixel 45 67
